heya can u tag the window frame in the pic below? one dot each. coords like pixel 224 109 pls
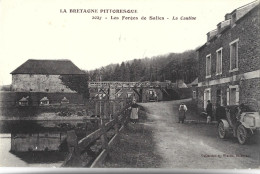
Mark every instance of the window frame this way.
pixel 237 93
pixel 194 94
pixel 219 50
pixel 230 56
pixel 204 97
pixel 208 75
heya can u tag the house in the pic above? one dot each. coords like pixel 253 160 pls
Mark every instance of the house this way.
pixel 43 76
pixel 44 101
pixel 24 101
pixel 39 81
pixel 193 85
pixel 229 62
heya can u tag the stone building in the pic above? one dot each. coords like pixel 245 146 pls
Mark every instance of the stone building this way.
pixel 194 87
pixel 229 62
pixel 43 76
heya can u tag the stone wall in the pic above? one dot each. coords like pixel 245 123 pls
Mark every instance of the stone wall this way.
pixel 249 94
pixel 247 31
pixel 12 98
pixel 38 83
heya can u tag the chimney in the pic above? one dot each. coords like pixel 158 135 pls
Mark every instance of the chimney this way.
pixel 233 18
pixel 219 27
pixel 211 34
pixel 208 36
pixel 227 16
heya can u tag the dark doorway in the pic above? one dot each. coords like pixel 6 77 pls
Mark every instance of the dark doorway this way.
pixel 219 97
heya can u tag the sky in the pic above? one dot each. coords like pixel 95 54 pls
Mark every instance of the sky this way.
pixel 37 29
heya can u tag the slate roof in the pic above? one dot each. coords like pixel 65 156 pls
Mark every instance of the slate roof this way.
pixel 52 67
pixel 255 6
pixel 24 99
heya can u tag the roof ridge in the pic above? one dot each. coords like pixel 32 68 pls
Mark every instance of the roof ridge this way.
pixel 50 59
pixel 57 66
pixel 247 4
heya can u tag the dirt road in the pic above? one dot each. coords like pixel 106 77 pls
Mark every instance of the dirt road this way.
pixel 195 145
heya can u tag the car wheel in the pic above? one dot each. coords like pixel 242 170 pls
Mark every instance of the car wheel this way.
pixel 221 130
pixel 242 134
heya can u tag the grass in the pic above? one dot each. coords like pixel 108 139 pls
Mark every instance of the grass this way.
pixel 135 149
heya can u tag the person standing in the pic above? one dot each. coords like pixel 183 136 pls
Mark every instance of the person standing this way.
pixel 134 112
pixel 209 111
pixel 182 111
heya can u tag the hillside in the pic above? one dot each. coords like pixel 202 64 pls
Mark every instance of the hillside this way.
pixel 171 67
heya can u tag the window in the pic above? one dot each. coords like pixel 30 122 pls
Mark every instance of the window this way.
pixel 129 95
pixel 208 66
pixel 47 90
pixel 194 95
pixel 234 55
pixel 207 96
pixel 219 61
pixel 233 95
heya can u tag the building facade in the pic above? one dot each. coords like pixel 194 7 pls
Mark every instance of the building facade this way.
pixel 38 83
pixel 229 62
pixel 43 76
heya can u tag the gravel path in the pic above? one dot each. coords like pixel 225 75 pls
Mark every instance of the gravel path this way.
pixel 195 145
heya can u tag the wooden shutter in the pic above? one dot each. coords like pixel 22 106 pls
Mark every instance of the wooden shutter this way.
pixel 209 94
pixel 205 99
pixel 237 96
pixel 227 96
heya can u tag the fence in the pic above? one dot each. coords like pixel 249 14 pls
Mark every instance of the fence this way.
pixel 115 120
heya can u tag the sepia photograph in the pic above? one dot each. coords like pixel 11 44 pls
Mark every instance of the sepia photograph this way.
pixel 167 86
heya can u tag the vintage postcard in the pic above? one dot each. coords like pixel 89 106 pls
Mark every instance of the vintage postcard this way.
pixel 147 84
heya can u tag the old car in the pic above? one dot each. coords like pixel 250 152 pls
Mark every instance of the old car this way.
pixel 240 123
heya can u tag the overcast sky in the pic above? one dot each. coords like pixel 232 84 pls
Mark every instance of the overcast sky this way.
pixel 35 29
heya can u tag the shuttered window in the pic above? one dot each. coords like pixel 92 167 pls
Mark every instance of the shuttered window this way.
pixel 219 61
pixel 207 96
pixel 208 66
pixel 234 55
pixel 233 95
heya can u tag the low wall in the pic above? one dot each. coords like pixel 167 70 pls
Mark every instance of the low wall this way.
pixel 9 105
pixel 12 98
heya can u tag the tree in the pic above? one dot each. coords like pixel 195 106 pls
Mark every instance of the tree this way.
pixel 116 74
pixel 127 72
pixel 122 72
pixel 172 67
pixel 78 83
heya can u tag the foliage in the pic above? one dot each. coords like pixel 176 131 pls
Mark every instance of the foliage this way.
pixel 78 83
pixel 160 68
